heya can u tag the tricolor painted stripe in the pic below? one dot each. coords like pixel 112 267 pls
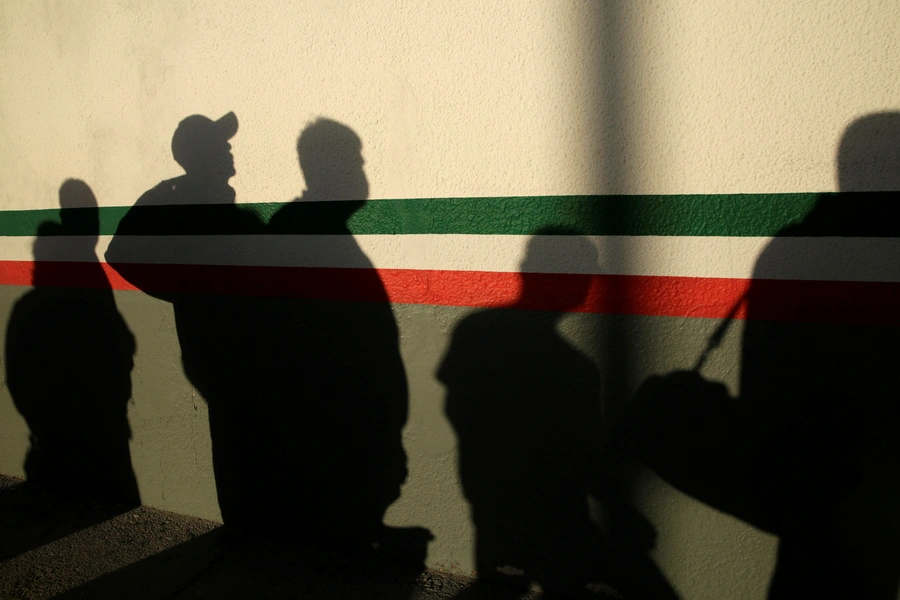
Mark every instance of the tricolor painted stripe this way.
pixel 836 259
pixel 866 303
pixel 741 215
pixel 682 256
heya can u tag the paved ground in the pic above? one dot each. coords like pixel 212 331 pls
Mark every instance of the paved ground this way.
pixel 54 546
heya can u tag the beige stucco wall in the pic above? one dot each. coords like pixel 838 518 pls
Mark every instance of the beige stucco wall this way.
pixel 460 98
pixel 466 98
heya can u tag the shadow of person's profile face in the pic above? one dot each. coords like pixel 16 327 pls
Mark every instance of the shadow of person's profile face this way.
pixel 331 159
pixel 869 155
pixel 200 145
pixel 214 160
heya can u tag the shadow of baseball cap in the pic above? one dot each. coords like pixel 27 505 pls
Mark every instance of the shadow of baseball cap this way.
pixel 197 133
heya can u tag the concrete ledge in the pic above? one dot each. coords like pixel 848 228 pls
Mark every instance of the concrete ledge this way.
pixel 71 546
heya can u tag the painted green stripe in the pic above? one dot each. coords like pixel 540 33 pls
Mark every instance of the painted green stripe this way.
pixel 742 215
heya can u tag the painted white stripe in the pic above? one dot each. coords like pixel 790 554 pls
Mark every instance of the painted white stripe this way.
pixel 841 259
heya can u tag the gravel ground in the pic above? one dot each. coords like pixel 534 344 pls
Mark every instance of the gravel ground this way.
pixel 68 546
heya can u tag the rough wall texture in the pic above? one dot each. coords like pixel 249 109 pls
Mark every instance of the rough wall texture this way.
pixel 518 105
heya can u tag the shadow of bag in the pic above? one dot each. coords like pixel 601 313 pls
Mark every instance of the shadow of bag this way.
pixel 686 429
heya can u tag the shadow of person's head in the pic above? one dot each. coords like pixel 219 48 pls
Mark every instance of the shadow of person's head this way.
pixel 868 164
pixel 78 209
pixel 869 155
pixel 330 155
pixel 200 145
pixel 75 193
pixel 75 236
pixel 557 268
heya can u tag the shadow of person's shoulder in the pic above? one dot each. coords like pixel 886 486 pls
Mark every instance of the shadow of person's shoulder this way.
pixel 855 213
pixel 303 217
pixel 155 218
pixel 154 213
pixel 49 228
pixel 246 220
pixel 164 193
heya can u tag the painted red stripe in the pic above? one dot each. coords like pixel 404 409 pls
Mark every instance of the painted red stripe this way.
pixel 16 272
pixel 872 303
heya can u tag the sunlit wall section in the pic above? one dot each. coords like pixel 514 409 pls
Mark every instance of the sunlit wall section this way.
pixel 754 98
pixel 455 99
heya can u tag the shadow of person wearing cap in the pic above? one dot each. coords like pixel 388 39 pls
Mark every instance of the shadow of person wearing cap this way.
pixel 167 245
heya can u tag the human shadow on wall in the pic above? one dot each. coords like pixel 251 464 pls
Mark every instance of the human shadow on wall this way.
pixel 167 245
pixel 339 362
pixel 69 356
pixel 809 450
pixel 526 408
pixel 306 392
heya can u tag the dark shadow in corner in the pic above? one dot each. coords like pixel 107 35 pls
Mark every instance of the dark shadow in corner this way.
pixel 68 367
pixel 526 408
pixel 307 394
pixel 810 450
pixel 222 565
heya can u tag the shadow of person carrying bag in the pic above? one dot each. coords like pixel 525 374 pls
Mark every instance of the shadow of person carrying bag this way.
pixel 687 430
pixel 778 468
